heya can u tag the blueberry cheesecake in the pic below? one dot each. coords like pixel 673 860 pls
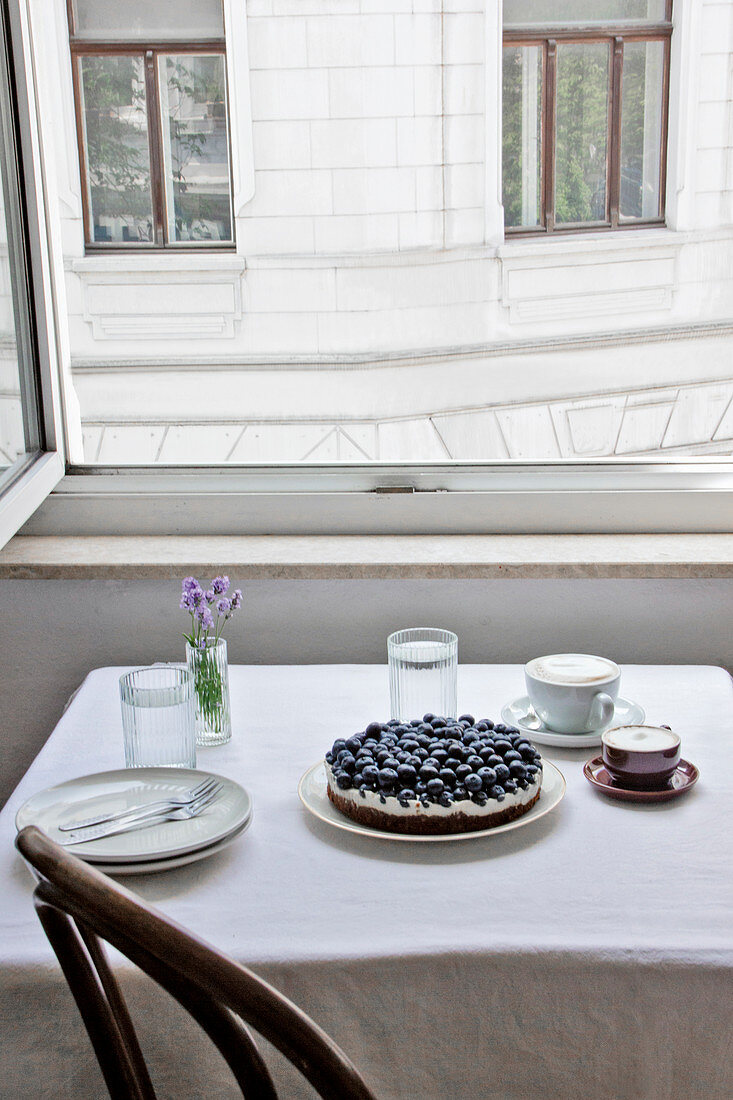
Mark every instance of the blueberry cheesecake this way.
pixel 434 775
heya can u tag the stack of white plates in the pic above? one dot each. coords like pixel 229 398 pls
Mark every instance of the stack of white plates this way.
pixel 156 847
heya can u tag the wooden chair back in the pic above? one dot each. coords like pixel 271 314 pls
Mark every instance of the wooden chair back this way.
pixel 80 908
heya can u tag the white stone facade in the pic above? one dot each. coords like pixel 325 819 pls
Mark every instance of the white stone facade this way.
pixel 372 308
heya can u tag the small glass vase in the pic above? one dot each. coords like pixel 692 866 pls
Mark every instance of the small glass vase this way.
pixel 210 672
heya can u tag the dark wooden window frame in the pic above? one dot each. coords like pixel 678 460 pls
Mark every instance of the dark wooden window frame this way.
pixel 150 51
pixel 615 35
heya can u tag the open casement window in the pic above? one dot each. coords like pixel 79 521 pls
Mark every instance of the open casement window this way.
pixel 152 122
pixel 585 106
pixel 31 458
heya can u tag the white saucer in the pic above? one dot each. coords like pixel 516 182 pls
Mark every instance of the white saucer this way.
pixel 625 713
pixel 312 793
pixel 110 792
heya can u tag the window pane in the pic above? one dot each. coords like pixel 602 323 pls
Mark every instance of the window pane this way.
pixel 641 129
pixel 522 136
pixel 117 155
pixel 561 12
pixel 581 124
pixel 195 147
pixel 135 19
pixel 12 435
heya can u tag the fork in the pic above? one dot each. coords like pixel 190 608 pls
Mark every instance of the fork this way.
pixel 143 819
pixel 171 802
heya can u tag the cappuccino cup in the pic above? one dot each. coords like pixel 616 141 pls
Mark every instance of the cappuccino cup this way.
pixel 573 692
pixel 641 757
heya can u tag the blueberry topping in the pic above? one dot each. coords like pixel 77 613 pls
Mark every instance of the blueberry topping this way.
pixel 406 774
pixel 488 777
pixel 370 774
pixel 436 760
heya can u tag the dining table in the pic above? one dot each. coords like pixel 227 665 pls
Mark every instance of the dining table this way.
pixel 586 954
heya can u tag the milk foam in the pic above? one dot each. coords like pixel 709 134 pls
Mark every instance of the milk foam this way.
pixel 641 739
pixel 572 668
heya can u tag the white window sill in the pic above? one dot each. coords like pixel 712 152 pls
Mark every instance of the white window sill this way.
pixel 622 241
pixel 359 557
pixel 143 262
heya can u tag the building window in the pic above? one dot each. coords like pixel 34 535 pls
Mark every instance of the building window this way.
pixel 152 123
pixel 585 100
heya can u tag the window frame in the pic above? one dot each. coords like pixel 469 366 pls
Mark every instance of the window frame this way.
pixel 614 34
pixel 600 496
pixel 27 483
pixel 150 51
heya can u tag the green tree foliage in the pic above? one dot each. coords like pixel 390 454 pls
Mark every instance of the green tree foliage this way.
pixel 581 121
pixel 116 137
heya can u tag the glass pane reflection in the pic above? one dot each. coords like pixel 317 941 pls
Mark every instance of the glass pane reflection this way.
pixel 522 136
pixel 581 132
pixel 195 147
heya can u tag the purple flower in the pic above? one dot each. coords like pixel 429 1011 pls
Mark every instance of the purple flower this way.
pixel 210 595
pixel 191 594
pixel 223 607
pixel 204 616
pixel 236 599
pixel 219 585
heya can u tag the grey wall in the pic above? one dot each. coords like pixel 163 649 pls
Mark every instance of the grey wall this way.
pixel 55 631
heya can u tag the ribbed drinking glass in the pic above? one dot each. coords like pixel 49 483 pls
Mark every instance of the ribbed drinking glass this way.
pixel 423 667
pixel 158 722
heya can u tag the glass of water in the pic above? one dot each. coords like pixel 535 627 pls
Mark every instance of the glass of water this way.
pixel 423 668
pixel 158 717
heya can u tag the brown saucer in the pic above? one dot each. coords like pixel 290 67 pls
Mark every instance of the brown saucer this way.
pixel 685 776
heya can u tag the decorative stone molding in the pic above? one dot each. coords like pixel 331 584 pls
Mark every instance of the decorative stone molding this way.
pixel 155 298
pixel 571 279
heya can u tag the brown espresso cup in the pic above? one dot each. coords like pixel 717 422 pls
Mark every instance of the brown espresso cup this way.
pixel 643 758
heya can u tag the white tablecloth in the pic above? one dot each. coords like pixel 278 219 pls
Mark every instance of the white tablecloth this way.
pixel 586 956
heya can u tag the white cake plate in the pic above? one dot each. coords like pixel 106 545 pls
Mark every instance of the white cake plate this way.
pixel 312 793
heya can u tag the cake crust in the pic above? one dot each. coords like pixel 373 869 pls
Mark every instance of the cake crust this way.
pixel 425 824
